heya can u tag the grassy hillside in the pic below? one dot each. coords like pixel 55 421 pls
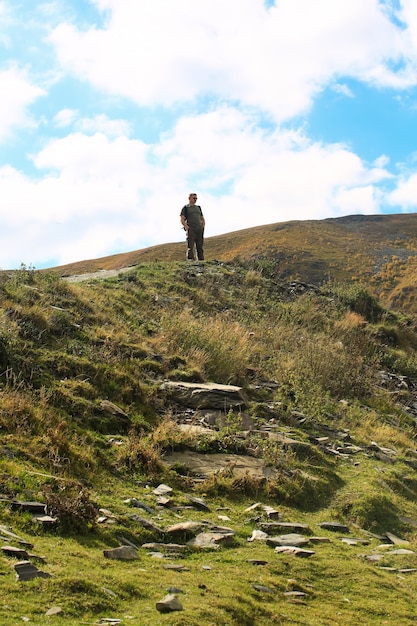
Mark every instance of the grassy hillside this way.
pixel 379 251
pixel 87 428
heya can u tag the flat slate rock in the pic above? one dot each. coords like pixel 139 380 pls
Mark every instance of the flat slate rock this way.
pixel 122 553
pixel 292 539
pixel 335 527
pixel 165 547
pixel 262 588
pixel 205 395
pixel 148 524
pixel 31 507
pixel 19 553
pixel 26 571
pixel 295 551
pixel 211 540
pixel 295 526
pixel 184 528
pixel 168 604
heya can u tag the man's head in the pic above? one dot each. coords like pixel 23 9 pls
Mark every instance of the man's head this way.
pixel 192 198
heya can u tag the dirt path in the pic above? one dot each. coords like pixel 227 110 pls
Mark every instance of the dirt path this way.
pixel 78 278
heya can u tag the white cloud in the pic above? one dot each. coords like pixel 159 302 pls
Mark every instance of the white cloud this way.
pixel 405 194
pixel 65 117
pixel 277 59
pixel 17 94
pixel 96 193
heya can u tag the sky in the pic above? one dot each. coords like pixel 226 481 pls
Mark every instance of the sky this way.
pixel 113 111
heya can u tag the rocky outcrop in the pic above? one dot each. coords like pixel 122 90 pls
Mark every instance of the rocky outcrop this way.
pixel 205 395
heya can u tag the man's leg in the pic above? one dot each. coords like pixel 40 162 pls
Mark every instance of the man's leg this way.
pixel 191 243
pixel 199 242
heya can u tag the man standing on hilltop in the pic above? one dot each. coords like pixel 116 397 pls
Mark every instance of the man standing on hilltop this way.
pixel 193 222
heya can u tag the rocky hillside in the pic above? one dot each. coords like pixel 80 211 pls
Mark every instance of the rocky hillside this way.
pixel 191 444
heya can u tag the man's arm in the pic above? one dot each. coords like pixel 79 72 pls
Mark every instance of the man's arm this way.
pixel 183 220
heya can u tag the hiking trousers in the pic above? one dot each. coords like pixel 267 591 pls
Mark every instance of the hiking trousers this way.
pixel 195 242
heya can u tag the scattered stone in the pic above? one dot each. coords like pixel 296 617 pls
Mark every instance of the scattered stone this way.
pixel 257 562
pixel 198 503
pixel 163 490
pixel 319 539
pixel 374 558
pixel 165 547
pixel 335 527
pixel 262 588
pixel 122 553
pixel 401 551
pixel 5 531
pixel 126 542
pixel 176 567
pixel 295 551
pixel 211 540
pixel 271 512
pixel 189 528
pixel 164 501
pixel 19 553
pixel 109 407
pixel 46 520
pixel 140 505
pixel 169 603
pixel 224 518
pixel 408 570
pixel 253 507
pixel 109 592
pixel 35 508
pixel 258 535
pixel 174 590
pixel 396 540
pixel 291 539
pixel 54 610
pixel 294 526
pixel 149 525
pixel 295 594
pixel 26 571
pixel 351 541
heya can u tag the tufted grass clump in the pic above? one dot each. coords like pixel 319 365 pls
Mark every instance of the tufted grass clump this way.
pixel 219 345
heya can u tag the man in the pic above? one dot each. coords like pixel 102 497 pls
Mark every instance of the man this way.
pixel 193 222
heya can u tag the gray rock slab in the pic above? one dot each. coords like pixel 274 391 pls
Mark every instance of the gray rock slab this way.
pixel 198 503
pixel 262 588
pixel 258 535
pixel 148 524
pixel 189 528
pixel 294 526
pixel 211 540
pixel 168 604
pixel 207 464
pixel 26 571
pixel 292 539
pixel 8 533
pixel 205 396
pixel 165 547
pixel 18 553
pixel 396 540
pixel 295 550
pixel 122 553
pixel 335 527
pixel 163 490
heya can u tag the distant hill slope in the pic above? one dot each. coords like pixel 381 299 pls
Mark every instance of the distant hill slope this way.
pixel 379 251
